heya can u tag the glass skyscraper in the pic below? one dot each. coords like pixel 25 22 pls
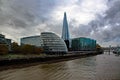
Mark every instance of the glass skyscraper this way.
pixel 65 31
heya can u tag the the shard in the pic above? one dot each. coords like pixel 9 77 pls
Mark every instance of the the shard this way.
pixel 65 30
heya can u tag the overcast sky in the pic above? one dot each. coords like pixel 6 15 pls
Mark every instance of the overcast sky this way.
pixel 97 19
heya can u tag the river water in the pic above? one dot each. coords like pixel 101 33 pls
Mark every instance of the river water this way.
pixel 99 67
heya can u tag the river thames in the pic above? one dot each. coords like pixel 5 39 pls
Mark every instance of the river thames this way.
pixel 100 67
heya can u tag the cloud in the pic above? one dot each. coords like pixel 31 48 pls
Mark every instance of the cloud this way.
pixel 23 16
pixel 98 19
pixel 110 31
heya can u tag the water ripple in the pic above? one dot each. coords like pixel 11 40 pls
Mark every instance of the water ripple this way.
pixel 100 67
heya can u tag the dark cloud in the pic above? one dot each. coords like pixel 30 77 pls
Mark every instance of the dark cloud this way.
pixel 30 17
pixel 20 18
pixel 105 28
pixel 80 30
pixel 112 20
pixel 24 13
pixel 113 14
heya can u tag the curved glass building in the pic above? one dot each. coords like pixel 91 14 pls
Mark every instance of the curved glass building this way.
pixel 53 43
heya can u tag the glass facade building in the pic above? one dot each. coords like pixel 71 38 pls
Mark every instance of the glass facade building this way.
pixel 83 44
pixel 5 41
pixel 65 31
pixel 32 40
pixel 2 39
pixel 53 43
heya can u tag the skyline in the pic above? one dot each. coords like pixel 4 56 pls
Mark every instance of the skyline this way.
pixel 20 18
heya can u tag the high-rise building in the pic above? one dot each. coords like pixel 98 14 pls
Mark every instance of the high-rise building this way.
pixel 65 31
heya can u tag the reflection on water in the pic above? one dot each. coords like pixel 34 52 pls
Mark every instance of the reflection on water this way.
pixel 100 67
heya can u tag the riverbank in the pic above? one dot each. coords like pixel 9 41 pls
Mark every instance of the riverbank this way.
pixel 96 67
pixel 28 59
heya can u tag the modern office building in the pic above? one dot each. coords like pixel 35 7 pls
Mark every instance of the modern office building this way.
pixel 2 39
pixel 53 43
pixel 83 44
pixel 65 31
pixel 32 40
pixel 5 41
pixel 8 42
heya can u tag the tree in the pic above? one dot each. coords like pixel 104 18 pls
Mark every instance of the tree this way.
pixel 30 49
pixel 99 48
pixel 27 49
pixel 38 50
pixel 3 49
pixel 15 47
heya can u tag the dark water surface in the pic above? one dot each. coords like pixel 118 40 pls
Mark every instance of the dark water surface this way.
pixel 100 67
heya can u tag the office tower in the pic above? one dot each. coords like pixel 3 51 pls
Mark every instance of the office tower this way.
pixel 65 31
